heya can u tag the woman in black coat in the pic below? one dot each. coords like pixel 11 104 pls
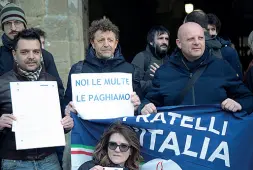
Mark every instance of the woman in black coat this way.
pixel 118 147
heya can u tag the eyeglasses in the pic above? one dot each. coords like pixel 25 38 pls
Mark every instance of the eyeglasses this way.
pixel 122 147
pixel 16 23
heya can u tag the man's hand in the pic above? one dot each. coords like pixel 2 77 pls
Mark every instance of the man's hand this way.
pixel 67 122
pixel 70 108
pixel 135 100
pixel 153 68
pixel 148 109
pixel 6 121
pixel 231 105
pixel 97 167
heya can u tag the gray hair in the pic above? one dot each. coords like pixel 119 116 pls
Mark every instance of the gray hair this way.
pixel 250 41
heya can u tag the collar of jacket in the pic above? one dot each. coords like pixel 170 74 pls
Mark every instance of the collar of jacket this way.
pixel 7 42
pixel 92 58
pixel 212 42
pixel 20 77
pixel 223 41
pixel 177 59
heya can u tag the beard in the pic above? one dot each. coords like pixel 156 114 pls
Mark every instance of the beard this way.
pixel 160 50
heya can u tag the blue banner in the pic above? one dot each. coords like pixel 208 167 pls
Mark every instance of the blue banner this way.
pixel 192 137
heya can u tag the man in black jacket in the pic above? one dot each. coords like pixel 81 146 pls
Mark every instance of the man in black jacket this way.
pixel 27 67
pixel 217 82
pixel 104 56
pixel 155 55
pixel 218 47
pixel 42 35
pixel 13 20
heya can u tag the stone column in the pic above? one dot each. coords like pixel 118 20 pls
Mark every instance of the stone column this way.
pixel 65 23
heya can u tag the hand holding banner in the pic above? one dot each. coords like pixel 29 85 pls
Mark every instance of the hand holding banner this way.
pixel 102 95
pixel 183 137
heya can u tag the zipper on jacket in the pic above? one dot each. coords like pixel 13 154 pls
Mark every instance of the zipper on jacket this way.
pixel 193 91
pixel 193 96
pixel 185 65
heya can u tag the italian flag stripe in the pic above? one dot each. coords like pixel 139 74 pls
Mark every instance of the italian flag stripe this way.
pixel 82 146
pixel 82 150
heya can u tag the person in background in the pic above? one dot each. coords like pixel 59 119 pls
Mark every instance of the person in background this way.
pixel 42 35
pixel 215 82
pixel 214 46
pixel 228 50
pixel 153 57
pixel 13 20
pixel 250 45
pixel 248 79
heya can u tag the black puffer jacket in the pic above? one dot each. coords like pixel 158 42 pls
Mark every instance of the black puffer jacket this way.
pixel 94 65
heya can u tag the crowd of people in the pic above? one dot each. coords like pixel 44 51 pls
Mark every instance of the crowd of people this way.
pixel 203 69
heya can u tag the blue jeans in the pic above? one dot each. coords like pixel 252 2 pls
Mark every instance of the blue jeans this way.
pixel 59 152
pixel 49 163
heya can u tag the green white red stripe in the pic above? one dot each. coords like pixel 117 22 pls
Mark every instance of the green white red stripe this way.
pixel 82 149
pixel 80 154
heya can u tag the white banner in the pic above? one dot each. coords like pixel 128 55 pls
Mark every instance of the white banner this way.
pixel 102 95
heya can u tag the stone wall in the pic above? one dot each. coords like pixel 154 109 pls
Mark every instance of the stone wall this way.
pixel 65 23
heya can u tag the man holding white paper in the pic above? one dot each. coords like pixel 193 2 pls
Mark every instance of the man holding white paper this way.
pixel 27 67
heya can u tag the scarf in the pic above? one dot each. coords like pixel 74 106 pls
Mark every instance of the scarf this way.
pixel 31 76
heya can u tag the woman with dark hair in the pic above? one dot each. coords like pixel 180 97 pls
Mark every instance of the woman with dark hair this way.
pixel 118 147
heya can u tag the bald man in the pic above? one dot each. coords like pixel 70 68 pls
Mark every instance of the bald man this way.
pixel 217 82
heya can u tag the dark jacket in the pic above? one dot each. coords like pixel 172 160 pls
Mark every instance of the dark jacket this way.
pixel 7 61
pixel 94 65
pixel 143 60
pixel 213 45
pixel 231 56
pixel 249 79
pixel 90 164
pixel 217 83
pixel 222 49
pixel 7 143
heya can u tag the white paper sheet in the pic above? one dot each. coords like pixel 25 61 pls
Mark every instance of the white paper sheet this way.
pixel 112 168
pixel 37 109
pixel 102 95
